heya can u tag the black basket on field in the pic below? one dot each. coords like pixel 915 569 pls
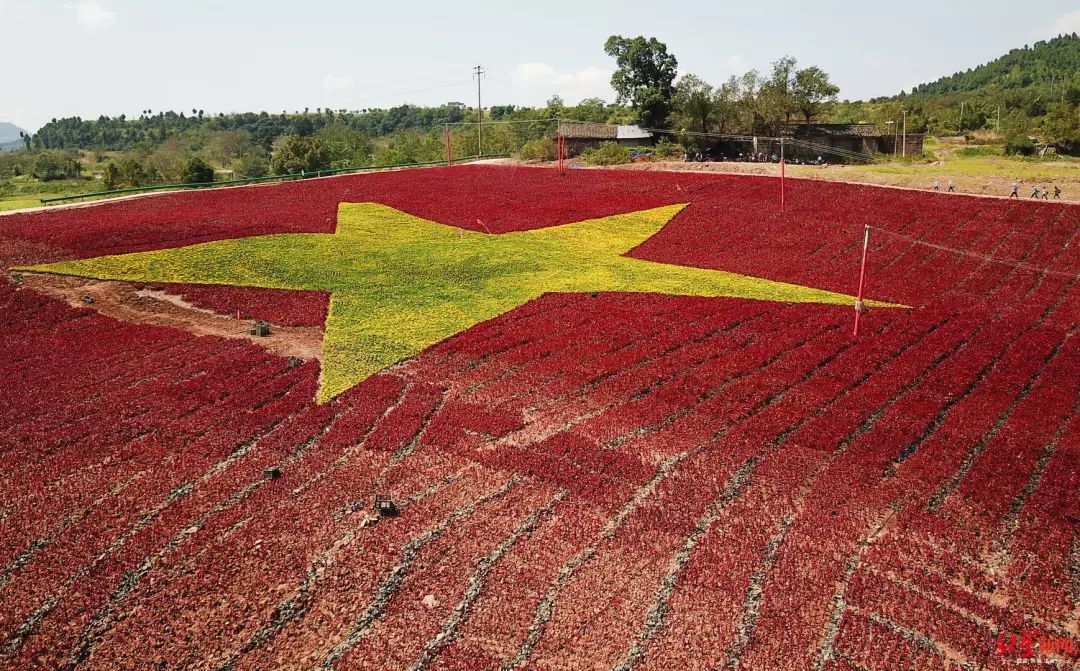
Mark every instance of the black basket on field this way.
pixel 384 505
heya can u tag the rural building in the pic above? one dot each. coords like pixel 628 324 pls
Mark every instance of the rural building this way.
pixel 863 138
pixel 582 136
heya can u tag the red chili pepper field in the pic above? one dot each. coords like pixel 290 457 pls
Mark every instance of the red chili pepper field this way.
pixel 608 479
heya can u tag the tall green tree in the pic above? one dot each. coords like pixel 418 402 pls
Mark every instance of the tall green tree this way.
pixel 813 92
pixel 348 147
pixel 556 107
pixel 1062 126
pixel 726 106
pixel 590 109
pixel 750 102
pixel 776 104
pixel 693 105
pixel 644 78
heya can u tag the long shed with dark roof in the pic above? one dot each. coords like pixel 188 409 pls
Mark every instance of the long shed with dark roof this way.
pixel 582 136
pixel 864 138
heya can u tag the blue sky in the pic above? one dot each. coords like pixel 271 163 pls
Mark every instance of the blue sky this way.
pixel 91 57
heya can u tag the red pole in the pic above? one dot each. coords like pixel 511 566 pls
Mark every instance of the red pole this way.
pixel 862 279
pixel 560 150
pixel 782 208
pixel 782 181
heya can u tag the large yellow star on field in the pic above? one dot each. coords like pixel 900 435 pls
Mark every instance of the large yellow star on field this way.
pixel 399 283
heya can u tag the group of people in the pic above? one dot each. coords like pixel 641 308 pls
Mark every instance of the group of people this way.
pixel 756 157
pixel 1036 192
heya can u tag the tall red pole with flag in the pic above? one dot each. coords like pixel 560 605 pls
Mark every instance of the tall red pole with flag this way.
pixel 862 279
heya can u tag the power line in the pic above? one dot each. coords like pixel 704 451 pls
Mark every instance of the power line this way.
pixel 512 121
pixel 405 93
pixel 983 257
pixel 819 148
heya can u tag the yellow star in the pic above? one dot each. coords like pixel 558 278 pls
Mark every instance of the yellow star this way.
pixel 399 283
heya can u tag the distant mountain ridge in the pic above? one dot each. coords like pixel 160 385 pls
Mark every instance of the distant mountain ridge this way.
pixel 9 132
pixel 9 136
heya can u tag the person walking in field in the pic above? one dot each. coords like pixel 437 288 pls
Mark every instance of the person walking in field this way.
pixel 1057 192
pixel 1015 190
pixel 952 186
pixel 937 185
pixel 1035 192
pixel 1046 193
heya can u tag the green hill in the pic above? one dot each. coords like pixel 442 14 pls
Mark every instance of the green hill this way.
pixel 1050 63
pixel 1032 92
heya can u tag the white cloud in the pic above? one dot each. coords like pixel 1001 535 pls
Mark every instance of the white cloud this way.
pixel 1068 23
pixel 93 15
pixel 539 81
pixel 337 83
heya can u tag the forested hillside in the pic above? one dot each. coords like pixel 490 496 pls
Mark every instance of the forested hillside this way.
pixel 1052 66
pixel 150 128
pixel 1032 92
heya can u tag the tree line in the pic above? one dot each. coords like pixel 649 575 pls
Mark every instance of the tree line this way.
pixel 1034 91
pixel 754 103
pixel 1030 90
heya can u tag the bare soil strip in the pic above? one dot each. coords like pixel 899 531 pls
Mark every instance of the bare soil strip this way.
pixel 125 301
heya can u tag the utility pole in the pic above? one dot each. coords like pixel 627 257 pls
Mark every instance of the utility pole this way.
pixel 960 131
pixel 999 119
pixel 478 72
pixel 905 133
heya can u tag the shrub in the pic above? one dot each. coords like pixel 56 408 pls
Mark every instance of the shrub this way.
pixel 51 165
pixel 1019 146
pixel 984 137
pixel 129 173
pixel 197 171
pixel 543 149
pixel 301 154
pixel 252 166
pixel 980 150
pixel 608 153
pixel 666 151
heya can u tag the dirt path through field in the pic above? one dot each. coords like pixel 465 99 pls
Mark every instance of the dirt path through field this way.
pixel 123 300
pixel 977 185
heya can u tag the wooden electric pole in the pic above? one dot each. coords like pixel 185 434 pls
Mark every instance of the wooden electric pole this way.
pixel 478 72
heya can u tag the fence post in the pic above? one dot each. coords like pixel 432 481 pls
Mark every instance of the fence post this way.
pixel 449 150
